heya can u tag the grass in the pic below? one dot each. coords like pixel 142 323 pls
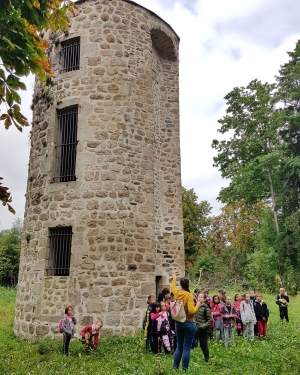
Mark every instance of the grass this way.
pixel 278 354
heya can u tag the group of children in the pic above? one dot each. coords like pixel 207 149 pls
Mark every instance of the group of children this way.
pixel 245 313
pixel 89 334
pixel 248 313
pixel 158 325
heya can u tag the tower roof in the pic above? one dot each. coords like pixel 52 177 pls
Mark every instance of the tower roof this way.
pixel 148 10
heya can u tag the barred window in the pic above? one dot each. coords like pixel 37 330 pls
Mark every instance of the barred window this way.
pixel 70 54
pixel 66 144
pixel 59 251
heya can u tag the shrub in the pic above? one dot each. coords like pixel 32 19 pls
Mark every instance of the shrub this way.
pixel 46 346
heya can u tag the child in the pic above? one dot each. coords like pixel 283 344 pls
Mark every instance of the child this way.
pixel 218 321
pixel 252 296
pixel 155 313
pixel 237 303
pixel 203 321
pixel 207 301
pixel 196 293
pixel 163 329
pixel 89 333
pixel 282 301
pixel 163 315
pixel 168 301
pixel 163 308
pixel 208 297
pixel 172 335
pixel 147 322
pixel 68 323
pixel 162 295
pixel 248 317
pixel 228 314
pixel 222 296
pixel 262 315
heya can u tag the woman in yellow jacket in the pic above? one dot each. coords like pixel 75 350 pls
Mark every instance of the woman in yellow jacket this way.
pixel 185 332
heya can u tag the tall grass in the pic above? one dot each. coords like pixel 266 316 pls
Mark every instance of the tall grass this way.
pixel 278 354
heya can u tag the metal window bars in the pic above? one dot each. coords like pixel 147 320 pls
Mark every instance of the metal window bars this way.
pixel 60 251
pixel 66 145
pixel 70 54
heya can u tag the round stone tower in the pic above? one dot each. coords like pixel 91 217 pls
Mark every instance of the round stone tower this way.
pixel 103 221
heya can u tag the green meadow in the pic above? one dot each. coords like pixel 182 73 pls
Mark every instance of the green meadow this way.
pixel 278 354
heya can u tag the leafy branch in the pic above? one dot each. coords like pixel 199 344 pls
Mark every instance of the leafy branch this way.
pixel 23 51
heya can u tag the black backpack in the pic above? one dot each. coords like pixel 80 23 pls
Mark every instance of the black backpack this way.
pixel 165 327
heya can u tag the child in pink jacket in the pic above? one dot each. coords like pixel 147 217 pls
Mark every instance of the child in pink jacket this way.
pixel 155 314
pixel 215 308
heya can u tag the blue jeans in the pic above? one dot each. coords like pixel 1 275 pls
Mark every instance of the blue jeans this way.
pixel 185 333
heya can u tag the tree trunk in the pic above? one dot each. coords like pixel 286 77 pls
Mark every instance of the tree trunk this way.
pixel 281 271
pixel 200 270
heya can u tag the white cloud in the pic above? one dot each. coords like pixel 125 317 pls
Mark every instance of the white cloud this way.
pixel 191 5
pixel 269 24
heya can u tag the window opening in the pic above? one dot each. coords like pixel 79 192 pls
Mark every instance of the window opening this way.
pixel 66 144
pixel 70 53
pixel 60 251
pixel 163 45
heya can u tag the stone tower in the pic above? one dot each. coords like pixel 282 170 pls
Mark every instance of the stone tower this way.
pixel 103 220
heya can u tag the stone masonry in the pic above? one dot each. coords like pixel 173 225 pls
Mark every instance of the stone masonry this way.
pixel 125 206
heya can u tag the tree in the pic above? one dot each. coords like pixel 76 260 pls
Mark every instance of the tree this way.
pixel 263 267
pixel 195 221
pixel 10 246
pixel 232 235
pixel 235 226
pixel 23 51
pixel 288 95
pixel 262 157
pixel 251 157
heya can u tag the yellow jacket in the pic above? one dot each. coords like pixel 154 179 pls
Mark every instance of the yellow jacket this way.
pixel 187 299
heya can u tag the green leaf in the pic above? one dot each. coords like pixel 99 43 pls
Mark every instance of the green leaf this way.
pixel 16 97
pixel 7 122
pixel 12 80
pixel 7 41
pixel 9 98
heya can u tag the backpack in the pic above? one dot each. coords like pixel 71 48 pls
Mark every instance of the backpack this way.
pixel 165 327
pixel 177 311
pixel 60 325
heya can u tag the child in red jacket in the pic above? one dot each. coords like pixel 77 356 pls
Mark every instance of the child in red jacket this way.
pixel 90 336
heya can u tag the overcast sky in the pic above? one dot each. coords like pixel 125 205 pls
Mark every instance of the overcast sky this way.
pixel 223 44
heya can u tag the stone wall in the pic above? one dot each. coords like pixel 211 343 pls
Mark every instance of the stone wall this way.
pixel 125 205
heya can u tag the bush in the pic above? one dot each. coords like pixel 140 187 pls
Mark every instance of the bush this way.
pixel 46 346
